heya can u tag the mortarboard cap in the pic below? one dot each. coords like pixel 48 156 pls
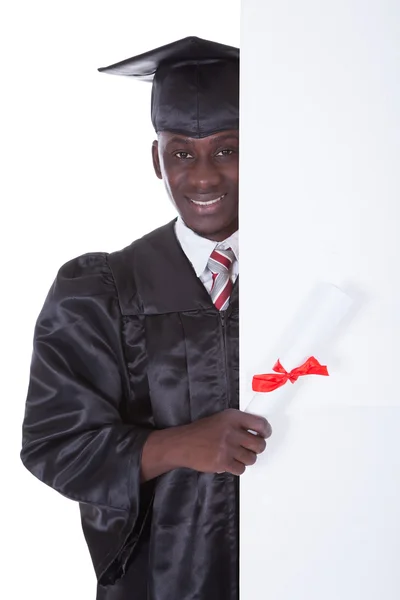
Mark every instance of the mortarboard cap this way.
pixel 195 85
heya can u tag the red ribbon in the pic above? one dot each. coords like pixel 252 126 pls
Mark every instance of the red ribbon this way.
pixel 272 381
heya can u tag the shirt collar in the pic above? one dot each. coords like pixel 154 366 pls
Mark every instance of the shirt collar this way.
pixel 198 249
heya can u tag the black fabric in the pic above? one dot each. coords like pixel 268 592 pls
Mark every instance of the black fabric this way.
pixel 195 85
pixel 126 343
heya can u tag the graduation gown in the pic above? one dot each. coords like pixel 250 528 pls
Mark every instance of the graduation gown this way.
pixel 126 343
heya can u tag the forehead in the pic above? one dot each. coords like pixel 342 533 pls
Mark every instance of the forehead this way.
pixel 171 138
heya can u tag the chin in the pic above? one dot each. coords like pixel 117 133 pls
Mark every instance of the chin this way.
pixel 213 231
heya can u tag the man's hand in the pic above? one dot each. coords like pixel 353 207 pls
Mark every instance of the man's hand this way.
pixel 223 442
pixel 216 444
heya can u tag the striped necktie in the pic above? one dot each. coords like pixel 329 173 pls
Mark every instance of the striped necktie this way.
pixel 220 264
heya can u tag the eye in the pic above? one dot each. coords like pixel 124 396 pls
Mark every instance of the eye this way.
pixel 225 152
pixel 183 155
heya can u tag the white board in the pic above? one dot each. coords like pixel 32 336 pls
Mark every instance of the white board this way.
pixel 320 194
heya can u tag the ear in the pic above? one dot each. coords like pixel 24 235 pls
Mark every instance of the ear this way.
pixel 156 159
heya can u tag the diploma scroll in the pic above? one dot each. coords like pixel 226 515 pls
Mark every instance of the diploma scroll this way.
pixel 307 337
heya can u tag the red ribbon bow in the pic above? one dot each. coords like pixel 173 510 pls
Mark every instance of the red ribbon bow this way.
pixel 272 381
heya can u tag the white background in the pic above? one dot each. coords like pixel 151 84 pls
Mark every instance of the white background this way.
pixel 76 176
pixel 320 148
pixel 320 192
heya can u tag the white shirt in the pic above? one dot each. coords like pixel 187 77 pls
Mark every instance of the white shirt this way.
pixel 198 250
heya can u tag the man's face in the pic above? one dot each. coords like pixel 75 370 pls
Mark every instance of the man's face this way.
pixel 202 180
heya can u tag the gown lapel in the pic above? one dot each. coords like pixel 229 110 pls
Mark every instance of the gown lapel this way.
pixel 167 284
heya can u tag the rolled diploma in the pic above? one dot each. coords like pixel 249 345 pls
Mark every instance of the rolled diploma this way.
pixel 311 330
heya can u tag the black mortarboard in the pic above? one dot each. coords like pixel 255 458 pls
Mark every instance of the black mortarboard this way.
pixel 195 85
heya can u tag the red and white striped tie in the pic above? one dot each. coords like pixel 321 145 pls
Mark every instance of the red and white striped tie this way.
pixel 220 264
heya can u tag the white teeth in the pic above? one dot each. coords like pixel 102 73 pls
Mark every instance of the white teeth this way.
pixel 207 203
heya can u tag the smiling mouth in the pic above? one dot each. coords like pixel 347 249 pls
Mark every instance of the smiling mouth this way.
pixel 209 202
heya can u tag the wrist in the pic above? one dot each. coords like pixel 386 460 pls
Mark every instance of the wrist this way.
pixel 175 446
pixel 165 450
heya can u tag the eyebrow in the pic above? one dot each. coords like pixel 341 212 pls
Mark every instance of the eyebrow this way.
pixel 178 140
pixel 228 136
pixel 188 141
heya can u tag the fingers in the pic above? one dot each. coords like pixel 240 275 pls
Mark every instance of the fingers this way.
pixel 236 468
pixel 239 448
pixel 244 456
pixel 254 443
pixel 256 423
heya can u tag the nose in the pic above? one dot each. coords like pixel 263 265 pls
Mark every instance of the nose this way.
pixel 204 176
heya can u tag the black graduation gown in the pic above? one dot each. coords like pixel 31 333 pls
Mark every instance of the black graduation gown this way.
pixel 128 342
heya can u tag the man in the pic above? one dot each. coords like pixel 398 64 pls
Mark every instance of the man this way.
pixel 132 407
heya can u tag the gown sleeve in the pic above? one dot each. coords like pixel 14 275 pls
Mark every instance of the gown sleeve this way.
pixel 74 439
